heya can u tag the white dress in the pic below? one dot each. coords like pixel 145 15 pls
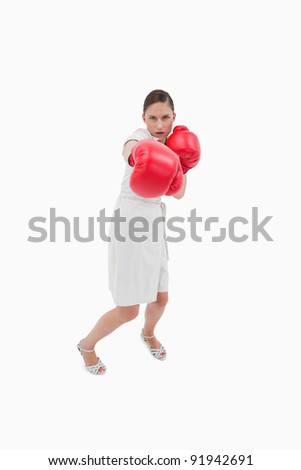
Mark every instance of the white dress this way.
pixel 138 270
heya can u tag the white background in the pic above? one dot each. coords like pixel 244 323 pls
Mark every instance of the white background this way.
pixel 73 81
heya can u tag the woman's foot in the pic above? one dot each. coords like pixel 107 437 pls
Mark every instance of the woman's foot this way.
pixel 155 347
pixel 90 359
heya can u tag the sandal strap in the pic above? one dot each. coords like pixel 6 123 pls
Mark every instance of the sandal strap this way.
pixel 84 350
pixel 87 350
pixel 95 369
pixel 148 337
pixel 157 352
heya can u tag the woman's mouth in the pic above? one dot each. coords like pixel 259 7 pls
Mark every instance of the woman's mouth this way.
pixel 159 133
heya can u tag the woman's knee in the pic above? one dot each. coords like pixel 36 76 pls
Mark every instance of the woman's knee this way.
pixel 128 313
pixel 162 299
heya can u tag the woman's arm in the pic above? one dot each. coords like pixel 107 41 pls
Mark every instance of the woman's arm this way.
pixel 181 193
pixel 127 149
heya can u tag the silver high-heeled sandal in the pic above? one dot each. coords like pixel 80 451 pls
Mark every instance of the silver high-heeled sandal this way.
pixel 95 369
pixel 157 353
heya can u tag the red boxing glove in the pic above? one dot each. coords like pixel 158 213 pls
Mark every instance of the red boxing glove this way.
pixel 186 145
pixel 157 169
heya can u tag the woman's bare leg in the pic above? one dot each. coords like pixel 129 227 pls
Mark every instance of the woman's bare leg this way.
pixel 153 313
pixel 109 322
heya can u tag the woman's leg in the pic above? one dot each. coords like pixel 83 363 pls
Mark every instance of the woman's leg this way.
pixel 153 313
pixel 109 322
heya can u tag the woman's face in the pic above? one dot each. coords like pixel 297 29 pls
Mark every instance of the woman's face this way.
pixel 159 118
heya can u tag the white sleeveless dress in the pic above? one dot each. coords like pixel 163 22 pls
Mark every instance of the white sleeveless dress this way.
pixel 138 270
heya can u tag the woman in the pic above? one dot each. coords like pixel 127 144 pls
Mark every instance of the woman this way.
pixel 138 271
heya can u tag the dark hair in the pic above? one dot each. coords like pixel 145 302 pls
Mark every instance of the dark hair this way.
pixel 156 96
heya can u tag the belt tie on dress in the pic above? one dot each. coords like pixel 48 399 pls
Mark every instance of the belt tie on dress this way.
pixel 163 210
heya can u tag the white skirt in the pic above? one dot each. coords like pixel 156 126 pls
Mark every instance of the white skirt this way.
pixel 138 270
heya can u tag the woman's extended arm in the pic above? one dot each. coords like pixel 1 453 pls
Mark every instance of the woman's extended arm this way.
pixel 126 152
pixel 181 193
